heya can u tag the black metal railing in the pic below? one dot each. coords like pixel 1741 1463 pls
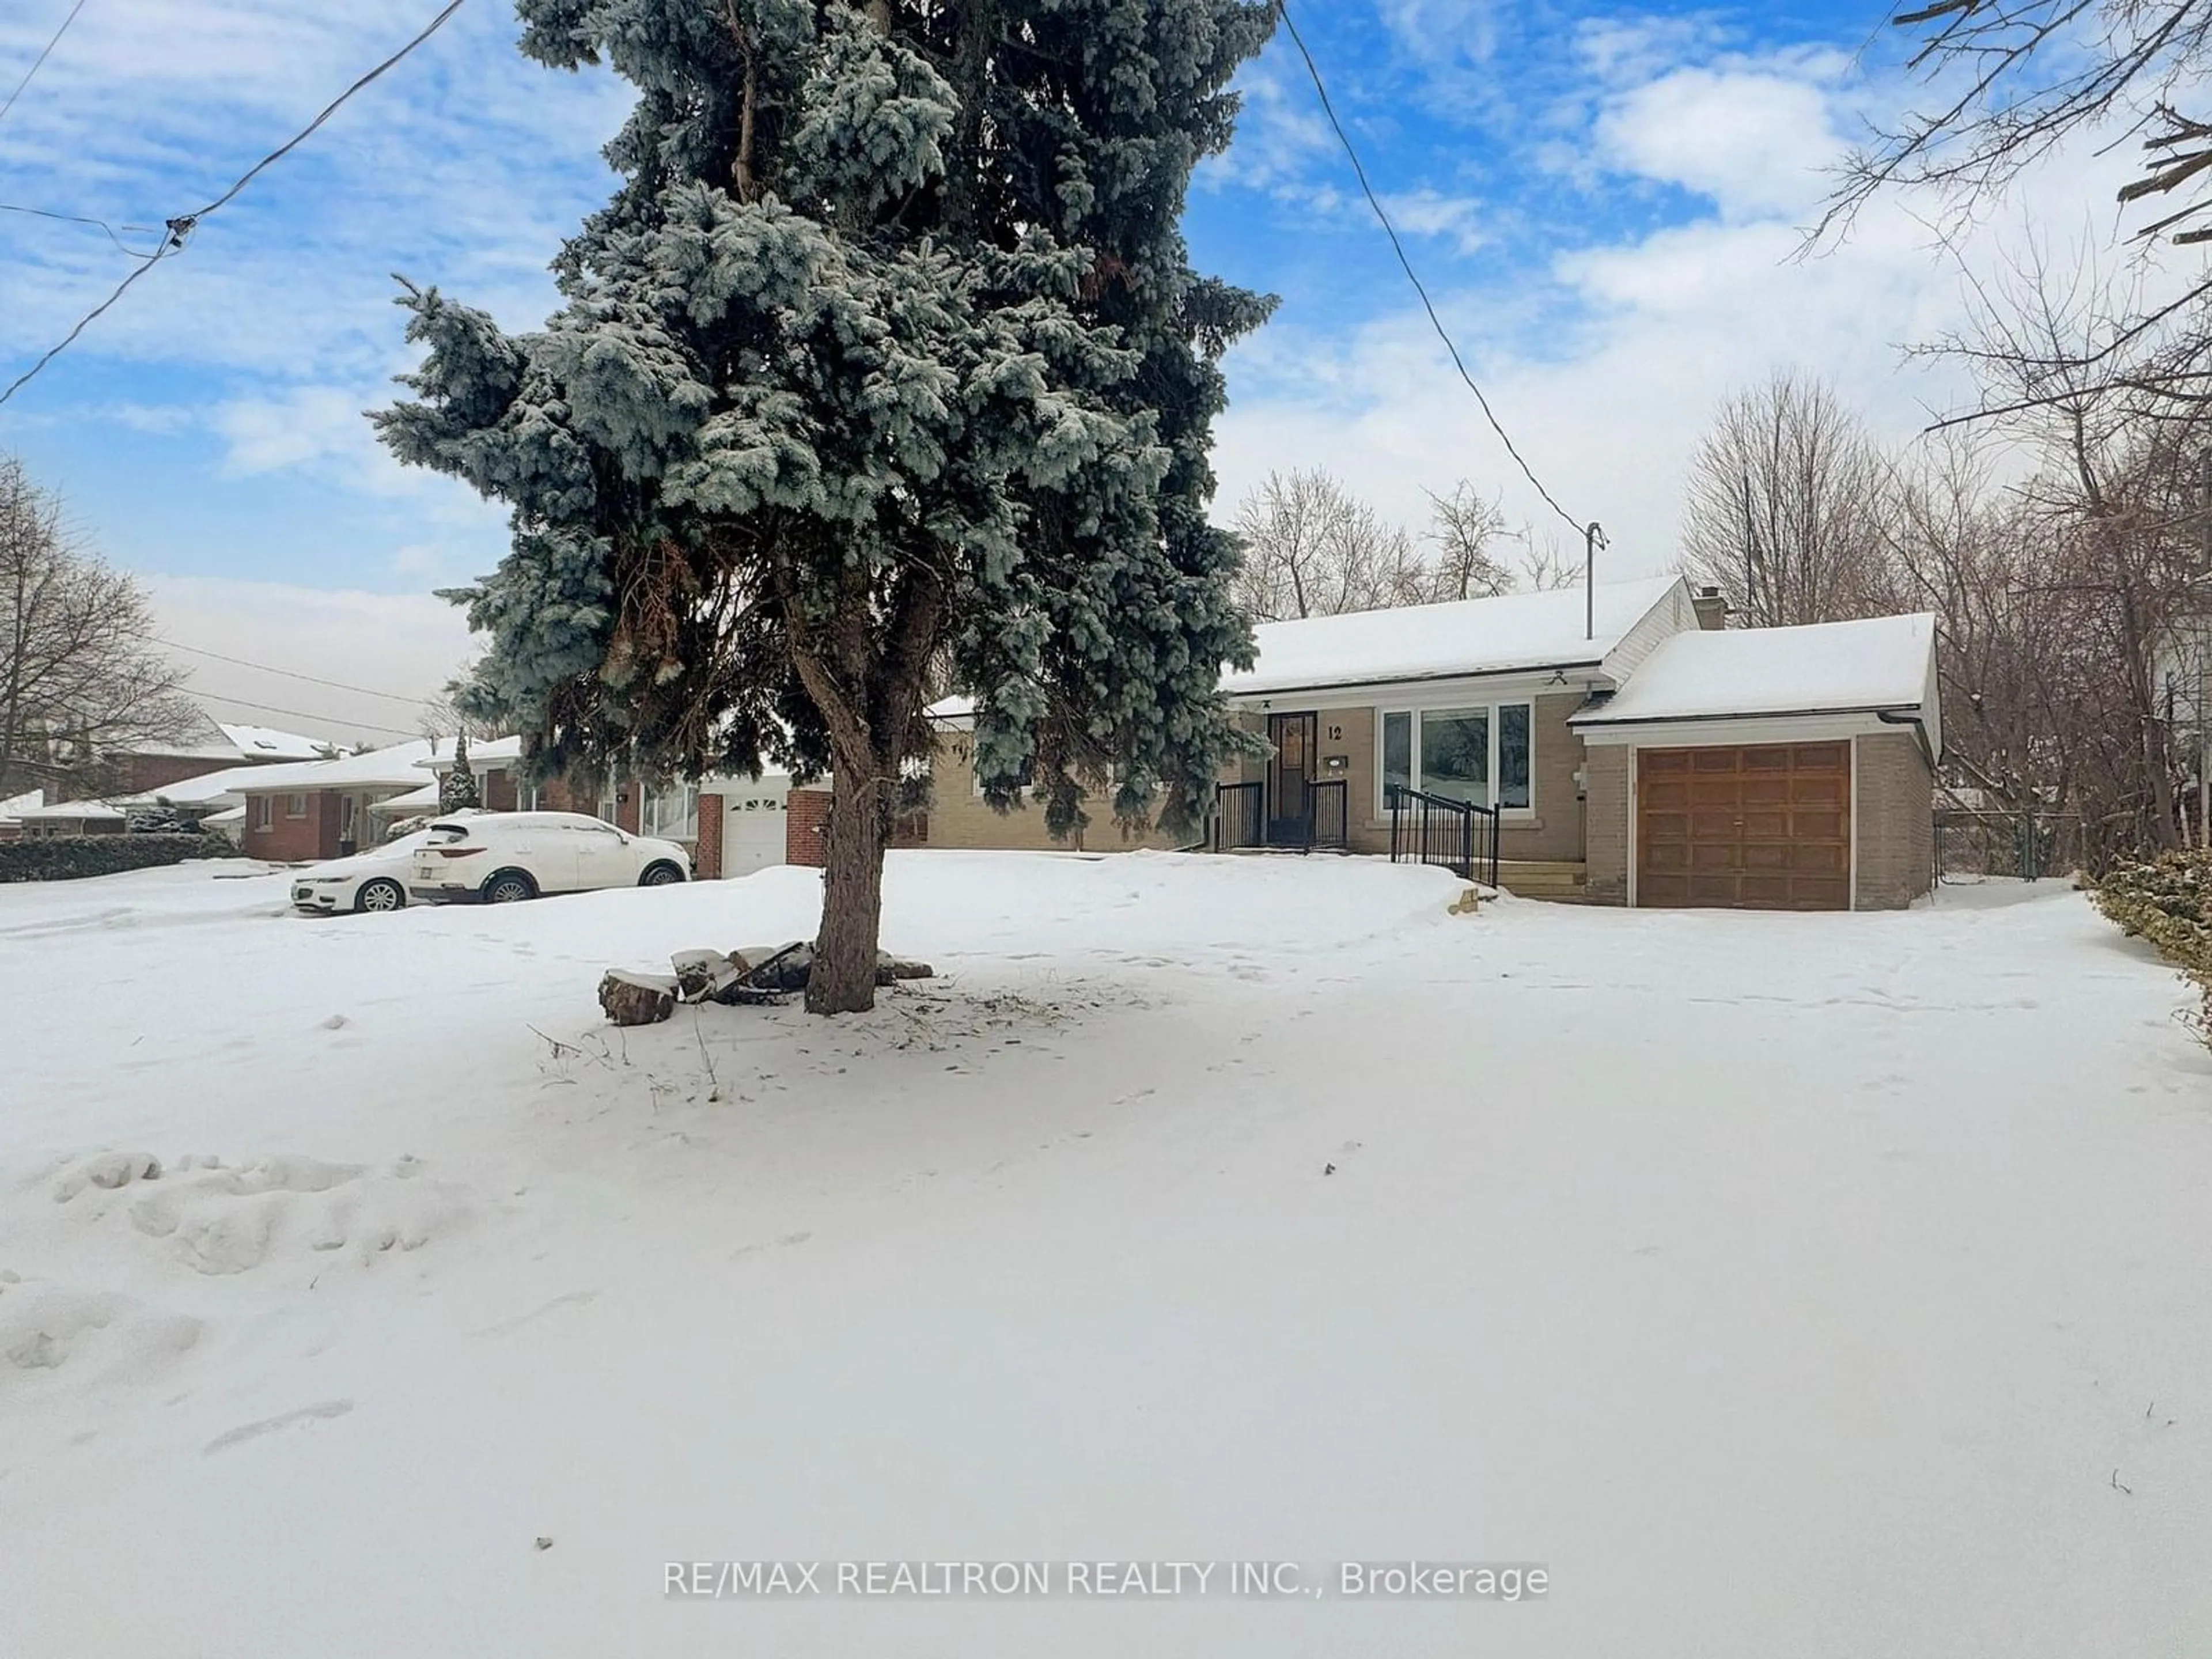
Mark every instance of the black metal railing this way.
pixel 1239 817
pixel 1328 815
pixel 1242 820
pixel 1456 835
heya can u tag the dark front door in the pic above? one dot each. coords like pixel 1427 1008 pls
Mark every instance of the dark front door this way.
pixel 1290 778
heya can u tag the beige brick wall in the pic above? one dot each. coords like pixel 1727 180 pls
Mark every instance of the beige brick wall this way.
pixel 1612 799
pixel 1896 821
pixel 1555 832
pixel 959 818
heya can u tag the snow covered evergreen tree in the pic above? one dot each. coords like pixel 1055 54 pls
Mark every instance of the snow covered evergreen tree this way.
pixel 886 363
pixel 457 785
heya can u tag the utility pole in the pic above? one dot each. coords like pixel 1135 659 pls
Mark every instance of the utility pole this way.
pixel 1593 539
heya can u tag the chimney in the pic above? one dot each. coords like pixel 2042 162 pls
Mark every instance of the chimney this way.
pixel 1712 608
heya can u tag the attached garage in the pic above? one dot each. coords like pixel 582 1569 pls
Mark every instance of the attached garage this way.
pixel 1745 826
pixel 753 830
pixel 1786 769
pixel 742 825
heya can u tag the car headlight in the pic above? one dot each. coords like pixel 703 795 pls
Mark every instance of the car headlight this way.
pixel 329 881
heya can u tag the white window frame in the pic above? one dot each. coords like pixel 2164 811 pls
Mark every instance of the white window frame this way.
pixel 291 811
pixel 264 812
pixel 1413 712
pixel 685 795
pixel 964 752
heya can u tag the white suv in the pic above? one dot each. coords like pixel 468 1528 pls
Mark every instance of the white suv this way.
pixel 504 857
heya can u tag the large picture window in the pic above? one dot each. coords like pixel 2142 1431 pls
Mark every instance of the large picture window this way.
pixel 1480 754
pixel 672 811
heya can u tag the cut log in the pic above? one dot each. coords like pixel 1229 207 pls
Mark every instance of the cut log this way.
pixel 636 999
pixel 756 974
pixel 701 975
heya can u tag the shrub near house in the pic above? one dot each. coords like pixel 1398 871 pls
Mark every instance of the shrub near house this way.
pixel 2167 900
pixel 67 858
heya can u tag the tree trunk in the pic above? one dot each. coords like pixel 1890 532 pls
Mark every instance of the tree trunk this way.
pixel 843 979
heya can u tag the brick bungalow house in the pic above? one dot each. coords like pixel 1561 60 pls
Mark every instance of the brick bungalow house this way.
pixel 1627 751
pixel 321 809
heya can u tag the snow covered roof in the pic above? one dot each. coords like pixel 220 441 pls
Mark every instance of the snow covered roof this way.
pixel 1514 631
pixel 270 744
pixel 482 757
pixel 1880 663
pixel 89 811
pixel 1436 641
pixel 208 786
pixel 424 799
pixel 214 739
pixel 397 765
pixel 16 805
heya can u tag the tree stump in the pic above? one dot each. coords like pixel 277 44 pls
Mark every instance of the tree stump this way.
pixel 636 999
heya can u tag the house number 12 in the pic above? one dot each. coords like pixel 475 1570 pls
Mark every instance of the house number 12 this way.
pixel 1336 734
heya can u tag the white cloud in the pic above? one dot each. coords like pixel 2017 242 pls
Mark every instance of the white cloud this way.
pixel 1430 213
pixel 1443 31
pixel 1754 141
pixel 1605 364
pixel 406 646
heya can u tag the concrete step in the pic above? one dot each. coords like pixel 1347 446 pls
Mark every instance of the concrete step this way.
pixel 1544 878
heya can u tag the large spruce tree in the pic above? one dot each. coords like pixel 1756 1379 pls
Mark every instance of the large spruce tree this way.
pixel 886 367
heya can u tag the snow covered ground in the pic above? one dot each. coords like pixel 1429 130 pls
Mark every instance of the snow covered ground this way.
pixel 1786 1285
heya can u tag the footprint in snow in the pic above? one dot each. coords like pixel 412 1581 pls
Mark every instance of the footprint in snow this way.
pixel 237 1437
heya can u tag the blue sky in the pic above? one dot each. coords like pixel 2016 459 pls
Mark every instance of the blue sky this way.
pixel 1604 199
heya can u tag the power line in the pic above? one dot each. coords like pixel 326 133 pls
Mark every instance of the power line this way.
pixel 301 714
pixel 329 110
pixel 179 230
pixel 1398 248
pixel 38 63
pixel 174 245
pixel 81 219
pixel 265 668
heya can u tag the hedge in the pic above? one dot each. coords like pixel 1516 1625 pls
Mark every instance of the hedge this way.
pixel 66 858
pixel 2167 900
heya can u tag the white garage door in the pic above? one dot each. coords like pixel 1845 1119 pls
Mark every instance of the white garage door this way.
pixel 752 833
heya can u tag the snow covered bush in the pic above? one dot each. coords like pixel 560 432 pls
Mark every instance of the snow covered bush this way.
pixel 67 858
pixel 2166 900
pixel 457 784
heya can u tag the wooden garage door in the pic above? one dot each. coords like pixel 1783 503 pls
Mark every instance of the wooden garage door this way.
pixel 1760 826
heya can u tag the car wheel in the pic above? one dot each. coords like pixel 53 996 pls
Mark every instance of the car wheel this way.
pixel 662 874
pixel 509 887
pixel 380 895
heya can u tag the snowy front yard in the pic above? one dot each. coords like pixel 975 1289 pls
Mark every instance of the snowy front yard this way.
pixel 1786 1285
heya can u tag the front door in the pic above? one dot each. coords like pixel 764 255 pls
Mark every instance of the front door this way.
pixel 1290 778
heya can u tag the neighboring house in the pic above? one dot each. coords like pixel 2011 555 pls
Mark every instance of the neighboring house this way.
pixel 71 818
pixel 1631 751
pixel 321 809
pixel 214 745
pixel 11 811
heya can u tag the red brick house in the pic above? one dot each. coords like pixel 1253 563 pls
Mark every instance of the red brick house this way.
pixel 321 809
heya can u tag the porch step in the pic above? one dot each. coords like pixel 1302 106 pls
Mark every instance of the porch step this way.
pixel 1542 878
